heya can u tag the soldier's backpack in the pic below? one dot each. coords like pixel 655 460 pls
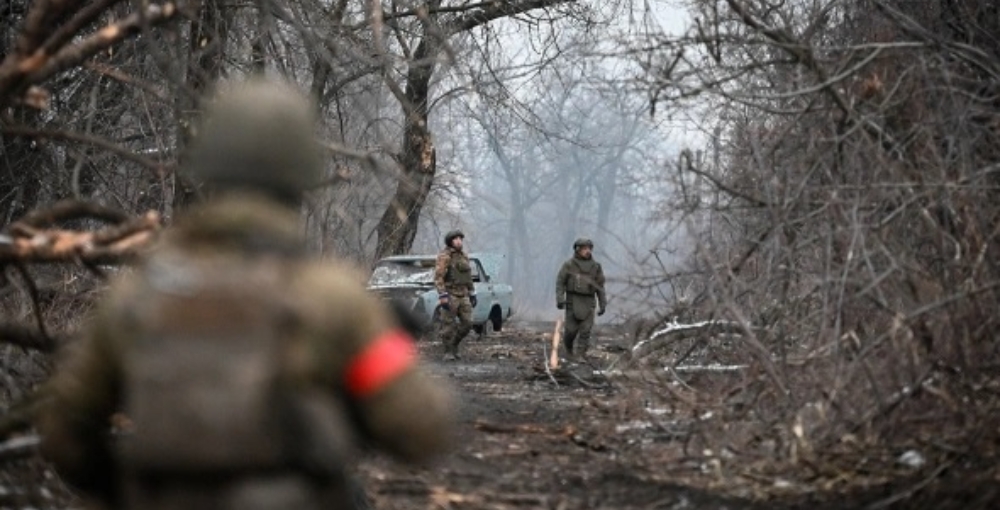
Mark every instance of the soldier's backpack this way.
pixel 205 382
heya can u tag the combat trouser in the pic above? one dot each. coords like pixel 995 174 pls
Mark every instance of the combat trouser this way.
pixel 456 322
pixel 578 324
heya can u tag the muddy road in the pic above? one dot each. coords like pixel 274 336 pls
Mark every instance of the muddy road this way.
pixel 621 437
pixel 590 441
pixel 526 440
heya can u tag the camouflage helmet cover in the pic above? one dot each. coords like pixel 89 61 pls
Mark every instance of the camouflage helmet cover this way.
pixel 259 135
pixel 583 241
pixel 450 236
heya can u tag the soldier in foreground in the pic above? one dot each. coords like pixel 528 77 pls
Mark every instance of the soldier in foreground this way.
pixel 456 293
pixel 246 373
pixel 580 279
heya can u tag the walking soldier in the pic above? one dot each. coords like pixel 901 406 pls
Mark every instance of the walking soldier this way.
pixel 580 279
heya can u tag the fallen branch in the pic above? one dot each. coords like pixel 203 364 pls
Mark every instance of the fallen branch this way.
pixel 524 428
pixel 568 374
pixel 548 371
pixel 588 384
pixel 19 447
pixel 676 331
pixel 550 360
pixel 708 368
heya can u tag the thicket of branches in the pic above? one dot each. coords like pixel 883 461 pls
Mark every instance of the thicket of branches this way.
pixel 846 214
pixel 99 102
pixel 99 99
pixel 842 212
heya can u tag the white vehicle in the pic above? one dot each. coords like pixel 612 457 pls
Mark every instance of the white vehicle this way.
pixel 409 279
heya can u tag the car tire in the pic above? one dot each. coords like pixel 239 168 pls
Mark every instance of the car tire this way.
pixel 496 318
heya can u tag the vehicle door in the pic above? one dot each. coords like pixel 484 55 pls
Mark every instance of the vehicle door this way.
pixel 484 292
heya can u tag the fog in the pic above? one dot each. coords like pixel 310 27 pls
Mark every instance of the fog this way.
pixel 570 150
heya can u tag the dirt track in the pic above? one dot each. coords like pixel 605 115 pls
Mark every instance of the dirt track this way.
pixel 524 442
pixel 590 442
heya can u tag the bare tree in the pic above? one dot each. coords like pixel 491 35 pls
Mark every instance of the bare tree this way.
pixel 438 23
pixel 848 220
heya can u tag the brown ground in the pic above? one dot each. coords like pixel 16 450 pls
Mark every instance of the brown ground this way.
pixel 624 441
pixel 524 442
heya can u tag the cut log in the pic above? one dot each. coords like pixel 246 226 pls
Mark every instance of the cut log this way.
pixel 556 338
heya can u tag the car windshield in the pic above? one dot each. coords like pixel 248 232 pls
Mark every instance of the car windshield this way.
pixel 395 272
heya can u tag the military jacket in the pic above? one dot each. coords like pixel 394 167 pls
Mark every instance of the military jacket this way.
pixel 580 278
pixel 453 273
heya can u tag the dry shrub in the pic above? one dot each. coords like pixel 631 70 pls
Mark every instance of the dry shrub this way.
pixel 853 225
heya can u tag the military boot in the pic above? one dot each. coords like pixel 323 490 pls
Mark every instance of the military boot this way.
pixel 582 346
pixel 450 351
pixel 568 342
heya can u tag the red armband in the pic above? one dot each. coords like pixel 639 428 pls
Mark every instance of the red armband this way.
pixel 379 363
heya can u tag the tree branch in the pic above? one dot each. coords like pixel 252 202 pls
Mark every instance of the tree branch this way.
pixel 98 142
pixel 106 246
pixel 489 11
pixel 39 57
pixel 70 210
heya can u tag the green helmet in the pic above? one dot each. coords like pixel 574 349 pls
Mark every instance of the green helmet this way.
pixel 581 242
pixel 259 136
pixel 450 236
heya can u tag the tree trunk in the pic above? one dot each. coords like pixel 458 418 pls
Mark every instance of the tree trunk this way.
pixel 398 226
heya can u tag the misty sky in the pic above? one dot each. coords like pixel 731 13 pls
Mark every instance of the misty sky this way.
pixel 560 138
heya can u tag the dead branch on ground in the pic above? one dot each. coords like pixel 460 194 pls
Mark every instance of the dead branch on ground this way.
pixel 674 331
pixel 524 428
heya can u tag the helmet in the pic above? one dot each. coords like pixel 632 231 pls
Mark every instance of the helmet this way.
pixel 450 236
pixel 583 241
pixel 259 136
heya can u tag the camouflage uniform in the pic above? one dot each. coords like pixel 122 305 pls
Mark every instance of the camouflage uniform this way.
pixel 246 373
pixel 578 282
pixel 453 279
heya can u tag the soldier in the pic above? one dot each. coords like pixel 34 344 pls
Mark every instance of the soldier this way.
pixel 456 293
pixel 245 373
pixel 579 280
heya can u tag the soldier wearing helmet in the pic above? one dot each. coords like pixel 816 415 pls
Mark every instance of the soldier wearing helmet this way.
pixel 456 293
pixel 248 372
pixel 580 290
